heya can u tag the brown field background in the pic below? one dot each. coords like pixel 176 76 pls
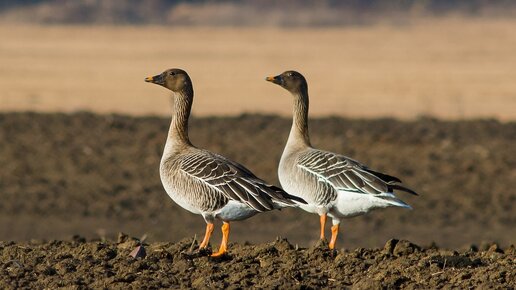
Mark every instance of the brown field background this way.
pixel 451 68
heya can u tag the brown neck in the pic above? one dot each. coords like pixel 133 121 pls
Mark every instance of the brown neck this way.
pixel 299 130
pixel 181 106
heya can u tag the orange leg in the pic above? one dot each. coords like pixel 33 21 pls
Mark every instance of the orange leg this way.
pixel 334 233
pixel 323 223
pixel 207 235
pixel 224 244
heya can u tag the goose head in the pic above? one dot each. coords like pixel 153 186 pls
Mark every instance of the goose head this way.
pixel 290 80
pixel 175 79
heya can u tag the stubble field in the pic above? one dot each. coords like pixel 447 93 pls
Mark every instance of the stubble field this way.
pixel 447 68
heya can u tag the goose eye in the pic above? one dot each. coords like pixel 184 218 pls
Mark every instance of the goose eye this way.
pixel 173 73
pixel 290 74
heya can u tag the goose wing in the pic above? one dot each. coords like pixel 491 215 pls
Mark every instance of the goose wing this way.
pixel 344 173
pixel 234 181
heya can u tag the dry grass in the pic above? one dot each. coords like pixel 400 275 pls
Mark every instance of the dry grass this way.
pixel 448 68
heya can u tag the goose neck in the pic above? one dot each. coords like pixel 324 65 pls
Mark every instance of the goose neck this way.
pixel 299 131
pixel 178 131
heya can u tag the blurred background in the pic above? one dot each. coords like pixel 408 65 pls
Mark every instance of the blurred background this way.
pixel 424 90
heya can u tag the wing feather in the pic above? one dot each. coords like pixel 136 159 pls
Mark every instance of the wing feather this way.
pixel 347 174
pixel 234 181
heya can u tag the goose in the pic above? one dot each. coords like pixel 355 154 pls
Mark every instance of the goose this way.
pixel 332 184
pixel 206 183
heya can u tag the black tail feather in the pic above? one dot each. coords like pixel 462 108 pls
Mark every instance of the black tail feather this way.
pixel 295 198
pixel 385 177
pixel 288 196
pixel 402 188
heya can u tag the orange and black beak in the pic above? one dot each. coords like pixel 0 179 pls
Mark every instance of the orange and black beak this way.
pixel 157 79
pixel 277 80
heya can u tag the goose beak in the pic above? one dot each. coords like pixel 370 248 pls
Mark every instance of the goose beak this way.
pixel 157 79
pixel 277 80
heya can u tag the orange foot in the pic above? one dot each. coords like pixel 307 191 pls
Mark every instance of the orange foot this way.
pixel 322 220
pixel 219 254
pixel 224 244
pixel 334 233
pixel 207 235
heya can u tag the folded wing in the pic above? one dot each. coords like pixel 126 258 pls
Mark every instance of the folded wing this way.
pixel 344 173
pixel 234 181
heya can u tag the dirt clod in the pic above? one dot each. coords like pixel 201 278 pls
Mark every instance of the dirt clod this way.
pixel 404 248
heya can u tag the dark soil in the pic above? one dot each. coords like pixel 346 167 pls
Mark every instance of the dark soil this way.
pixel 97 175
pixel 277 264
